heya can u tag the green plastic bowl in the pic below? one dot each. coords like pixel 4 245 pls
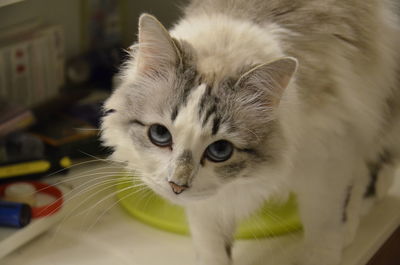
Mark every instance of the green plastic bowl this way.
pixel 272 219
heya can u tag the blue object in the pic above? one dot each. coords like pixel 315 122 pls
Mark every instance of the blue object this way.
pixel 14 214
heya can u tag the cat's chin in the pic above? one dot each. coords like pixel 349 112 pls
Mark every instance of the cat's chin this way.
pixel 184 198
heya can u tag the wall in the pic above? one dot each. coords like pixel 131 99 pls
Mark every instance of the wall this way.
pixel 166 11
pixel 68 14
pixel 64 12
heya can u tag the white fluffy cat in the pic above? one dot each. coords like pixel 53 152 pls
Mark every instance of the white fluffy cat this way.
pixel 244 100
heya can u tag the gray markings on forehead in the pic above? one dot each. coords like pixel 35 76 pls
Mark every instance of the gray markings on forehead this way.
pixel 209 106
pixel 212 109
pixel 204 99
pixel 189 79
pixel 174 113
pixel 187 76
pixel 214 104
pixel 216 124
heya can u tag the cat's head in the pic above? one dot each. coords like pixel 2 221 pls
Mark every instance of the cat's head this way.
pixel 188 134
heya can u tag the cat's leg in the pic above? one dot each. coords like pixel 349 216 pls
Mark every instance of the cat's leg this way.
pixel 366 190
pixel 385 178
pixel 380 178
pixel 324 177
pixel 212 234
pixel 353 205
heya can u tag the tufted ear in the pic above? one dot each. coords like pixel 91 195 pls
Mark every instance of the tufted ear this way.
pixel 156 47
pixel 272 77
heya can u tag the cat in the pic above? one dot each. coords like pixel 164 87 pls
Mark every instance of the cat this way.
pixel 245 100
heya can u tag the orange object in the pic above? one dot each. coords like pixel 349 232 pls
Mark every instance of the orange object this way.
pixel 45 210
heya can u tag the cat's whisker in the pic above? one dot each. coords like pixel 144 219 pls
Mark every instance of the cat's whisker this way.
pixel 108 196
pixel 70 167
pixel 106 160
pixel 77 193
pixel 255 237
pixel 290 229
pixel 83 188
pixel 114 204
pixel 87 199
pixel 66 216
pixel 66 194
pixel 265 230
pixel 148 200
pixel 277 244
pixel 70 179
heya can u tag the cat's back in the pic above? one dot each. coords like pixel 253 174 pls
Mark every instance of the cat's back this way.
pixel 314 27
pixel 351 20
pixel 346 48
pixel 285 12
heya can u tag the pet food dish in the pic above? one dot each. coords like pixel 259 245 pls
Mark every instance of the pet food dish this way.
pixel 271 220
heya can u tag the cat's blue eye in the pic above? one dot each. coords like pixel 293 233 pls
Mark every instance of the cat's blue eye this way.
pixel 160 136
pixel 219 151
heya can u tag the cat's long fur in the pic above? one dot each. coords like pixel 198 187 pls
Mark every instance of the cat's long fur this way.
pixel 223 72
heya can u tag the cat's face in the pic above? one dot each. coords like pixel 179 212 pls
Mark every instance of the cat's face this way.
pixel 188 135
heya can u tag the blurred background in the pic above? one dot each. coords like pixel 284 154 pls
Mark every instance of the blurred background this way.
pixel 57 62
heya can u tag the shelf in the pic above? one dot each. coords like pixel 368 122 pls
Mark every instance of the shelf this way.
pixel 95 231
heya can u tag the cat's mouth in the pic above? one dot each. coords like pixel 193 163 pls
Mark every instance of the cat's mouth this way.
pixel 179 195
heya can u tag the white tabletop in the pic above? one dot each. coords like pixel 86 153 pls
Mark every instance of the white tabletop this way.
pixel 93 229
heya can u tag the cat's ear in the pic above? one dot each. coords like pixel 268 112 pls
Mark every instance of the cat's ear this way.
pixel 272 77
pixel 157 49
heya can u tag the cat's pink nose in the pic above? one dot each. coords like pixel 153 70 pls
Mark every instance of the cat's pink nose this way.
pixel 177 189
